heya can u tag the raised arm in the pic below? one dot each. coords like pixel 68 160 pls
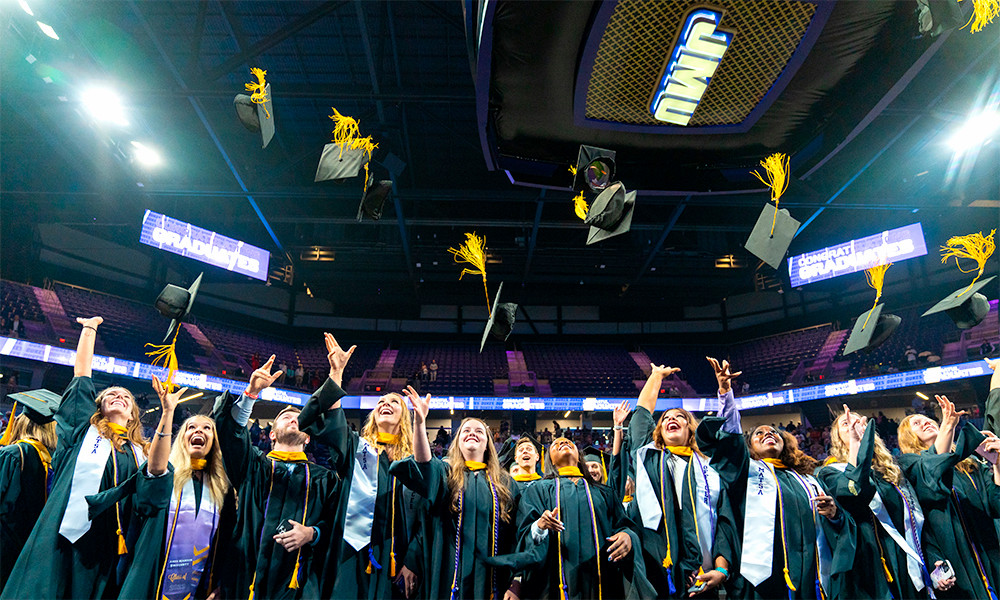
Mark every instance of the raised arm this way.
pixel 159 449
pixel 85 347
pixel 993 399
pixel 619 415
pixel 949 425
pixel 337 357
pixel 650 391
pixel 727 404
pixel 421 445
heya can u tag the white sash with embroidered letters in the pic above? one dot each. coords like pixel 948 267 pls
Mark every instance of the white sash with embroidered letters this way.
pixel 91 461
pixel 361 501
pixel 906 540
pixel 758 524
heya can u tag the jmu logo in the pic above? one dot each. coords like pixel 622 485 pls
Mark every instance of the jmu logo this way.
pixel 699 50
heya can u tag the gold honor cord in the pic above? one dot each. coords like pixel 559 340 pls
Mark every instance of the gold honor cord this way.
pixel 258 89
pixel 473 252
pixel 983 13
pixel 975 246
pixel 876 279
pixel 775 177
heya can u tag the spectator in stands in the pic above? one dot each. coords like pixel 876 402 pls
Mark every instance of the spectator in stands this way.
pixel 314 380
pixel 282 368
pixel 434 369
pixel 546 436
pixel 911 355
pixel 300 374
pixel 254 361
pixel 985 348
pixel 290 375
pixel 425 373
pixel 15 328
pixel 442 436
pixel 746 387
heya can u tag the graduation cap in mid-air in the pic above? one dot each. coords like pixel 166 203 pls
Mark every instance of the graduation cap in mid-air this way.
pixel 347 154
pixel 611 213
pixel 473 252
pixel 871 329
pixel 775 228
pixel 175 302
pixel 501 321
pixel 967 307
pixel 373 197
pixel 594 170
pixel 255 111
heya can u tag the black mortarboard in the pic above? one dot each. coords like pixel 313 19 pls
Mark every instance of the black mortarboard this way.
pixel 765 246
pixel 966 307
pixel 175 302
pixel 374 197
pixel 501 320
pixel 871 329
pixel 595 169
pixel 611 213
pixel 39 405
pixel 340 161
pixel 257 117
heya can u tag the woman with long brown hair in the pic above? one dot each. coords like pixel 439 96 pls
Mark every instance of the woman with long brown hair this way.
pixel 470 516
pixel 373 523
pixel 792 540
pixel 959 495
pixel 70 555
pixel 862 475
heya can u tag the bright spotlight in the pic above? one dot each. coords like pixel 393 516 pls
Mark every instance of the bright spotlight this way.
pixel 25 7
pixel 146 155
pixel 47 30
pixel 105 105
pixel 977 130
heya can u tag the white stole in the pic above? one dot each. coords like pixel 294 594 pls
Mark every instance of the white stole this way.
pixel 361 500
pixel 705 502
pixel 91 461
pixel 645 495
pixel 906 540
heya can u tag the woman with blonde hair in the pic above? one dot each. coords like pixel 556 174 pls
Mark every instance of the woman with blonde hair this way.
pixel 471 511
pixel 960 497
pixel 862 475
pixel 25 468
pixel 70 555
pixel 186 510
pixel 676 494
pixel 373 525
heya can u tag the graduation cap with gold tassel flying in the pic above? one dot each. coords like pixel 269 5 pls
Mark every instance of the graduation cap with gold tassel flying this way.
pixel 255 111
pixel 967 307
pixel 983 13
pixel 872 327
pixel 348 153
pixel 501 320
pixel 770 241
pixel 175 303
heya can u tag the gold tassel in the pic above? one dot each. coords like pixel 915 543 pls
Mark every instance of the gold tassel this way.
pixel 251 586
pixel 392 565
pixel 885 567
pixel 876 279
pixel 572 170
pixel 473 251
pixel 294 583
pixel 368 569
pixel 122 548
pixel 258 92
pixel 975 246
pixel 775 177
pixel 983 13
pixel 347 133
pixel 580 206
pixel 165 356
pixel 8 433
pixel 667 562
pixel 788 580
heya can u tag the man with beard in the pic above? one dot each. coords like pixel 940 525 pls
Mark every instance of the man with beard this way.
pixel 282 522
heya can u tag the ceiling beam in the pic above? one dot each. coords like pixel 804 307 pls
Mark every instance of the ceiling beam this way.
pixel 670 225
pixel 533 238
pixel 332 93
pixel 366 45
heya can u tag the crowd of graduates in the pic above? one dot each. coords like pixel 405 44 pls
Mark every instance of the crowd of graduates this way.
pixel 89 508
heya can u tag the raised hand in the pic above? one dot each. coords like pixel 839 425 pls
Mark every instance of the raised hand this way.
pixel 723 374
pixel 168 399
pixel 420 406
pixel 261 379
pixel 663 371
pixel 337 357
pixel 855 424
pixel 621 412
pixel 91 322
pixel 949 416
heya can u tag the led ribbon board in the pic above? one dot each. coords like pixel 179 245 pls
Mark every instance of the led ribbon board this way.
pixel 172 235
pixel 893 245
pixel 697 54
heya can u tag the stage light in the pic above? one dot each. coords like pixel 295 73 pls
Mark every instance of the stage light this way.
pixel 146 155
pixel 47 30
pixel 25 7
pixel 567 414
pixel 976 131
pixel 922 395
pixel 104 105
pixel 191 397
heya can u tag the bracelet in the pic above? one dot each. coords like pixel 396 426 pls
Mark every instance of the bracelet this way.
pixel 247 393
pixel 90 327
pixel 158 434
pixel 724 571
pixel 619 427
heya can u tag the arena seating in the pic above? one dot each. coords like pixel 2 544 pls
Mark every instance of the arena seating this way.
pixel 17 299
pixel 928 334
pixel 313 357
pixel 691 361
pixel 584 369
pixel 767 362
pixel 461 368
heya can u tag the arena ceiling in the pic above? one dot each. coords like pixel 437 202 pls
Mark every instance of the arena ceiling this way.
pixel 865 122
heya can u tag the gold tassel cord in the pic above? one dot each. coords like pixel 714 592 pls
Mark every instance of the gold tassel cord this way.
pixel 165 357
pixel 572 170
pixel 975 246
pixel 8 432
pixel 876 279
pixel 347 133
pixel 775 177
pixel 473 252
pixel 258 89
pixel 580 206
pixel 983 13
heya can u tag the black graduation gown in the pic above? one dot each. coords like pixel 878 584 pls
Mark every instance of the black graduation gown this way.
pixel 434 562
pixel 23 489
pixel 575 558
pixel 731 459
pixel 854 488
pixel 685 553
pixel 949 514
pixel 269 493
pixel 347 570
pixel 152 508
pixel 50 566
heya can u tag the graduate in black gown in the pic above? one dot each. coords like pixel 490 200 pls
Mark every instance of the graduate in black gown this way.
pixel 472 506
pixel 525 454
pixel 960 498
pixel 283 521
pixel 373 522
pixel 25 465
pixel 69 555
pixel 793 541
pixel 186 509
pixel 585 545
pixel 866 481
